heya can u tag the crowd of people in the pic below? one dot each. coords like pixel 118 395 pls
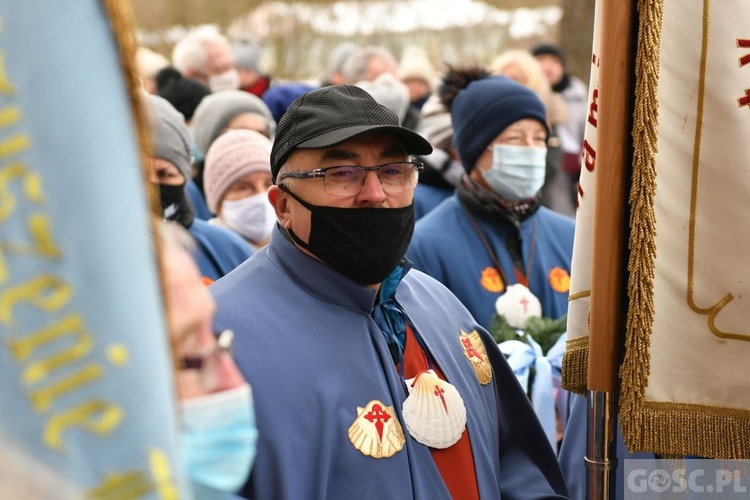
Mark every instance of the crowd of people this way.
pixel 350 237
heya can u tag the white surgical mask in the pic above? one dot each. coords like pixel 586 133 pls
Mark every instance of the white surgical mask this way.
pixel 517 172
pixel 219 438
pixel 253 217
pixel 229 80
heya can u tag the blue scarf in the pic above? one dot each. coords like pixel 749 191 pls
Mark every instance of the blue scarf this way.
pixel 387 313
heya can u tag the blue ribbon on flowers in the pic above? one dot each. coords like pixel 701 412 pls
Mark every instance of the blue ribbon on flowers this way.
pixel 521 356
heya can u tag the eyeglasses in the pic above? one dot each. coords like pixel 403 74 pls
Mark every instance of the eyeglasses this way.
pixel 396 177
pixel 206 361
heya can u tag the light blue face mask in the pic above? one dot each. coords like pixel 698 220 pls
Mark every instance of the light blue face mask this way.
pixel 219 438
pixel 517 172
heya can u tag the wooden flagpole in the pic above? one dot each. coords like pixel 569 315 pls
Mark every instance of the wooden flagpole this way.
pixel 606 315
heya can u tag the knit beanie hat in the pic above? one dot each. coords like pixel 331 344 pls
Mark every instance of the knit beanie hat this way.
pixel 548 49
pixel 232 156
pixel 170 134
pixel 435 123
pixel 339 55
pixel 280 96
pixel 218 109
pixel 415 64
pixel 482 106
pixel 388 92
pixel 247 54
pixel 183 93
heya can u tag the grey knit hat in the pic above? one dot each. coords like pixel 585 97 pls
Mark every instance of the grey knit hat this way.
pixel 215 112
pixel 247 54
pixel 389 92
pixel 170 134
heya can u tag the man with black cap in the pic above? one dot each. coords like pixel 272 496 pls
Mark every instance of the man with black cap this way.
pixel 371 380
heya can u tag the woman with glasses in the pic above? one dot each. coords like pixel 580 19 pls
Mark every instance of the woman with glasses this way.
pixel 493 231
pixel 217 423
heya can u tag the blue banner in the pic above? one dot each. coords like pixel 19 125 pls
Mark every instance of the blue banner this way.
pixel 86 381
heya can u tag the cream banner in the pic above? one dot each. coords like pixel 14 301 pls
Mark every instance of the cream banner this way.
pixel 576 348
pixel 686 372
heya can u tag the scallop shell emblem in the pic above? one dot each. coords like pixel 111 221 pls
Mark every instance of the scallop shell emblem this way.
pixel 477 355
pixel 376 432
pixel 517 305
pixel 434 412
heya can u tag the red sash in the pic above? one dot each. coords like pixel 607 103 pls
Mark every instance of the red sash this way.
pixel 456 464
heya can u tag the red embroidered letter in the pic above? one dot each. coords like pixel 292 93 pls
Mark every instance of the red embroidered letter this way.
pixel 744 43
pixel 745 99
pixel 594 107
pixel 589 156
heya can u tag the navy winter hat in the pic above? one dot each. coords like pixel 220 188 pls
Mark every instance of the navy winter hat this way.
pixel 278 97
pixel 484 108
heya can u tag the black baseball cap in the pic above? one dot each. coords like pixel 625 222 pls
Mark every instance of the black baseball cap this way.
pixel 330 115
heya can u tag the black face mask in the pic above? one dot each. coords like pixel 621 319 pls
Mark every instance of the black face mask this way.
pixel 175 204
pixel 363 244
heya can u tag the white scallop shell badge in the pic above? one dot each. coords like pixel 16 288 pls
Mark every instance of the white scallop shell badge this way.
pixel 434 412
pixel 376 432
pixel 517 305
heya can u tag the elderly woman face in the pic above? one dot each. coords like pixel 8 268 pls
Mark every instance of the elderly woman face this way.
pixel 526 132
pixel 248 185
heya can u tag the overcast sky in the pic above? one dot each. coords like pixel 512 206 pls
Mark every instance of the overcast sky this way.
pixel 351 18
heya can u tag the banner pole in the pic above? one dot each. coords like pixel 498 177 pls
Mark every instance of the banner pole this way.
pixel 613 152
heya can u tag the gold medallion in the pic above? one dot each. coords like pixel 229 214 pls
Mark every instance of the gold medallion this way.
pixel 376 432
pixel 477 355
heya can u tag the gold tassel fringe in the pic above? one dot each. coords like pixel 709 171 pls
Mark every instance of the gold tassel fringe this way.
pixel 636 364
pixel 668 429
pixel 575 365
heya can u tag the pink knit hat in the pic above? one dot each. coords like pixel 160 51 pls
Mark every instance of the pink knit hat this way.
pixel 232 156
